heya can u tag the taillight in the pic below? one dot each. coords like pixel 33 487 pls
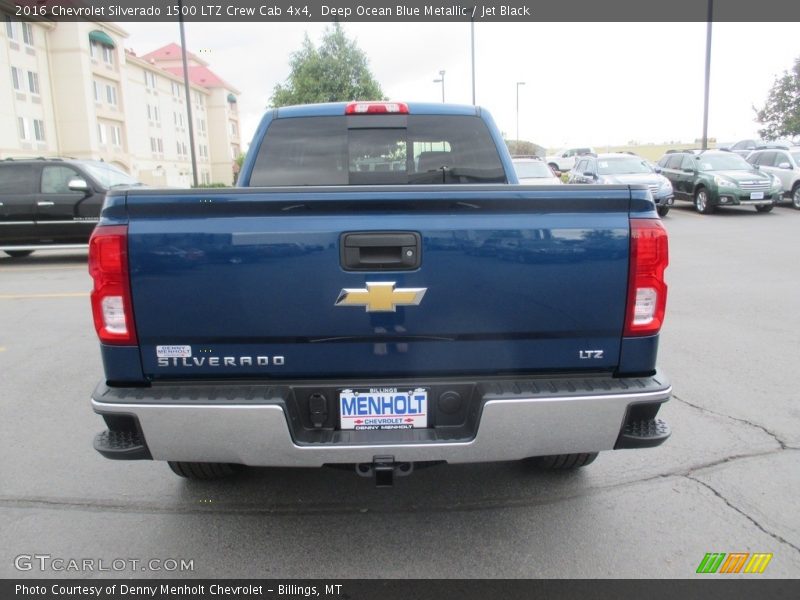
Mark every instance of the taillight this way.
pixel 111 296
pixel 371 108
pixel 647 291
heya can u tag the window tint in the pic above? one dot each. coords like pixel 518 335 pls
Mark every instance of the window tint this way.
pixel 688 162
pixel 582 166
pixel 418 149
pixel 16 179
pixel 532 169
pixel 766 159
pixel 623 166
pixel 723 162
pixel 55 179
pixel 675 161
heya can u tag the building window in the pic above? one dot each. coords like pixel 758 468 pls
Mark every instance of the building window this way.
pixel 234 129
pixel 108 55
pixel 93 49
pixel 27 34
pixel 111 95
pixel 38 130
pixel 16 78
pixel 11 30
pixel 156 145
pixel 150 80
pixel 101 133
pixel 152 113
pixel 176 89
pixel 24 129
pixel 33 82
pixel 116 136
pixel 96 88
pixel 201 125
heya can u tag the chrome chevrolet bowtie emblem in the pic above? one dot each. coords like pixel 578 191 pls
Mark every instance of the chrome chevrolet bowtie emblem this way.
pixel 381 297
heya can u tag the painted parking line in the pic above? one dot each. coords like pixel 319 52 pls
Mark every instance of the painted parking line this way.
pixel 43 296
pixel 29 269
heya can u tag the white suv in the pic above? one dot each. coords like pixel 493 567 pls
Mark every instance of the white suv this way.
pixel 785 165
pixel 564 160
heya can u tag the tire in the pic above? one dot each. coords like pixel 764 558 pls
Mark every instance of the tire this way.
pixel 19 253
pixel 662 210
pixel 701 202
pixel 563 462
pixel 796 196
pixel 204 471
pixel 765 209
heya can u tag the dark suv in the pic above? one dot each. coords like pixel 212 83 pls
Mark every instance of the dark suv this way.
pixel 51 202
pixel 719 178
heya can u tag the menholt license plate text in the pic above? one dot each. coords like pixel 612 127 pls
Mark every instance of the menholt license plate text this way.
pixel 383 408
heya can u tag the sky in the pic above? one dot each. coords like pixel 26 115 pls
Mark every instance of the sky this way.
pixel 592 84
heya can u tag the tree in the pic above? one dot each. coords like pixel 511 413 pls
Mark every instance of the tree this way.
pixel 781 114
pixel 523 147
pixel 336 71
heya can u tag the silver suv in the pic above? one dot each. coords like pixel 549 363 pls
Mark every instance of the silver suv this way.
pixel 785 165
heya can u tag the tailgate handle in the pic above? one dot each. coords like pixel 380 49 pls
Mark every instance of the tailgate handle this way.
pixel 380 251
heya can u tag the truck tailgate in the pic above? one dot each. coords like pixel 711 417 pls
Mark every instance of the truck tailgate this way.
pixel 244 283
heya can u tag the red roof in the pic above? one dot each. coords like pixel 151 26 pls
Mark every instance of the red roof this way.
pixel 199 73
pixel 171 52
pixel 201 76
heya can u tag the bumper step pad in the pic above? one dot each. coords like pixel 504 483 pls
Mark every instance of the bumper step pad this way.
pixel 121 445
pixel 645 433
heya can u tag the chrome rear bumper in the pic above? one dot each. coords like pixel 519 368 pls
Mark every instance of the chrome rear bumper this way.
pixel 229 428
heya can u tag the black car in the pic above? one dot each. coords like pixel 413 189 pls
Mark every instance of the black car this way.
pixel 52 202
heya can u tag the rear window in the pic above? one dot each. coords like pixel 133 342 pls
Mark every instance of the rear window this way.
pixel 377 150
pixel 16 179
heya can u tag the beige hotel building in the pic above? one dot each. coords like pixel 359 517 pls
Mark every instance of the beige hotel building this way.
pixel 70 89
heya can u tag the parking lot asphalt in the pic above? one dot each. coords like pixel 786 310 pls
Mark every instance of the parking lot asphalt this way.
pixel 727 480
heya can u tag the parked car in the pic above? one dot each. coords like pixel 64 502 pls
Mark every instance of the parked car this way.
pixel 534 171
pixel 52 202
pixel 783 164
pixel 719 178
pixel 625 169
pixel 565 159
pixel 743 147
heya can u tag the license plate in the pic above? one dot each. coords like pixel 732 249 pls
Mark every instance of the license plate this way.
pixel 757 196
pixel 383 408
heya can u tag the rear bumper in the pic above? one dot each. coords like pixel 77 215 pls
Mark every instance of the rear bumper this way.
pixel 513 419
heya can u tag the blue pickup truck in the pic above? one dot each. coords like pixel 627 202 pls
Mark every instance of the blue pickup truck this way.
pixel 378 292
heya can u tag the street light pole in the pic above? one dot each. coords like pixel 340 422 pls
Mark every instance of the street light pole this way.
pixel 188 94
pixel 708 72
pixel 440 80
pixel 516 145
pixel 472 44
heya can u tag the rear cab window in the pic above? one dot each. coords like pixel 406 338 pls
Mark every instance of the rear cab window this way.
pixel 377 150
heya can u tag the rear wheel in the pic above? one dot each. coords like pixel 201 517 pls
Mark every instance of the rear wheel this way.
pixel 701 202
pixel 663 210
pixel 563 461
pixel 19 253
pixel 204 471
pixel 765 209
pixel 796 196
